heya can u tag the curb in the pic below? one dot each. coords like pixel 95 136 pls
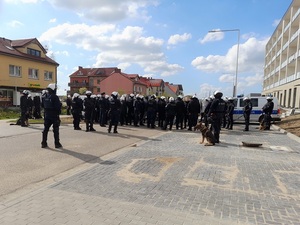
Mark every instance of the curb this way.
pixel 290 135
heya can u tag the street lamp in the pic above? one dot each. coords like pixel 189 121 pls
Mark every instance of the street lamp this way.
pixel 237 56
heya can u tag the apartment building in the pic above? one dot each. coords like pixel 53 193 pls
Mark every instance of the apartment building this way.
pixel 110 79
pixel 282 60
pixel 24 66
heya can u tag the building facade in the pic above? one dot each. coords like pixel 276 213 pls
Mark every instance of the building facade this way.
pixel 24 66
pixel 282 60
pixel 98 80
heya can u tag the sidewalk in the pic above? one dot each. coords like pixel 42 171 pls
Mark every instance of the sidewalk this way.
pixel 171 179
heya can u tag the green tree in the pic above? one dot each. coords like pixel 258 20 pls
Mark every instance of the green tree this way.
pixel 82 91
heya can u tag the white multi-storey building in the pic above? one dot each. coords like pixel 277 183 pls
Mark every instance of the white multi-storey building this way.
pixel 282 60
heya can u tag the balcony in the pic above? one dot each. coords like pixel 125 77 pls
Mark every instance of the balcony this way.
pixel 78 85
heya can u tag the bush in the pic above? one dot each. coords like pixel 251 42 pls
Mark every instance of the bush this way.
pixel 9 113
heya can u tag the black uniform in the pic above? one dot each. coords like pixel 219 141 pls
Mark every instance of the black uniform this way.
pixel 114 113
pixel 52 107
pixel 24 110
pixel 170 115
pixel 103 107
pixel 193 110
pixel 123 112
pixel 77 108
pixel 215 113
pixel 137 106
pixel 161 110
pixel 151 112
pixel 180 113
pixel 247 111
pixel 130 110
pixel 37 107
pixel 69 104
pixel 229 114
pixel 268 109
pixel 89 108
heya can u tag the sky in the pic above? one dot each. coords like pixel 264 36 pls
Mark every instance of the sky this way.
pixel 163 39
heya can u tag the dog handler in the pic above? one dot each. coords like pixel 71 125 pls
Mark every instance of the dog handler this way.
pixel 215 114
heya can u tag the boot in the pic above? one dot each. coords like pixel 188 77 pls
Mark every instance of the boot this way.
pixel 109 128
pixel 44 139
pixel 87 127
pixel 92 128
pixel 115 129
pixel 56 140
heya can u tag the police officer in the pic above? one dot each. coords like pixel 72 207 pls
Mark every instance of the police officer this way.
pixel 161 110
pixel 215 114
pixel 89 108
pixel 137 106
pixel 37 106
pixel 77 108
pixel 170 113
pixel 24 108
pixel 267 110
pixel 130 109
pixel 229 113
pixel 114 111
pixel 52 107
pixel 102 109
pixel 151 107
pixel 180 112
pixel 247 111
pixel 69 104
pixel 193 111
pixel 123 110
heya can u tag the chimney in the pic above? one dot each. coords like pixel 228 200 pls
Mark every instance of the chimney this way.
pixel 79 67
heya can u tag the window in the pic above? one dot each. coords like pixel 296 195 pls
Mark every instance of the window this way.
pixel 14 71
pixel 254 102
pixel 33 73
pixel 34 52
pixel 98 90
pixel 48 75
pixel 98 81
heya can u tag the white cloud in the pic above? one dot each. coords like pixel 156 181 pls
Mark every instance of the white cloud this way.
pixel 227 78
pixel 207 90
pixel 107 10
pixel 21 1
pixel 175 39
pixel 15 23
pixel 210 37
pixel 114 46
pixel 251 58
pixel 123 66
pixel 52 20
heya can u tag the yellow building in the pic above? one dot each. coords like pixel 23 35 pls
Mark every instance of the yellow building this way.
pixel 24 66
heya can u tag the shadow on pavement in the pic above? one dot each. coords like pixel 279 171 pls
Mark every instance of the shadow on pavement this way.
pixel 84 157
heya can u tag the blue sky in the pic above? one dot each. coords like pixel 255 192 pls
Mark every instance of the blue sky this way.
pixel 154 38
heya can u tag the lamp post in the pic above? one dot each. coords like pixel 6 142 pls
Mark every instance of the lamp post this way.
pixel 237 56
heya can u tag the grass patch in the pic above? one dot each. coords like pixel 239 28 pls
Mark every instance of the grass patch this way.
pixel 9 114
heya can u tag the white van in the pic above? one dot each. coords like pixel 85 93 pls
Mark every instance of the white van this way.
pixel 256 114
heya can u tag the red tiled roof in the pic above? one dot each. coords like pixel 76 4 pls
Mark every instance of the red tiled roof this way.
pixel 172 87
pixel 101 72
pixel 155 82
pixel 9 47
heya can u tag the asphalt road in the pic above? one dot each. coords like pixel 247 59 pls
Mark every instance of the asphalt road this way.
pixel 24 163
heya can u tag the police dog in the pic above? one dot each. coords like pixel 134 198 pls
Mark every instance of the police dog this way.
pixel 206 134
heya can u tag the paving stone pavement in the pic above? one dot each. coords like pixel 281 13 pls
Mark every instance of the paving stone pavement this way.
pixel 172 179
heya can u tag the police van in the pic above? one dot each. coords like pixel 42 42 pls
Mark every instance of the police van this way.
pixel 258 102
